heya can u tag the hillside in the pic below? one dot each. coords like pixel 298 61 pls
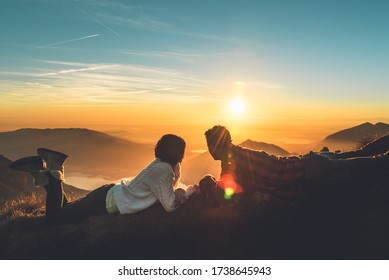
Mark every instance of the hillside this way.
pixel 15 183
pixel 354 226
pixel 351 138
pixel 90 152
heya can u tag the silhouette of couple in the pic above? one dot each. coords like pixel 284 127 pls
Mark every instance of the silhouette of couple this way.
pixel 244 172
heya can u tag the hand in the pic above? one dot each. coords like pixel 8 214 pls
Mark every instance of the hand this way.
pixel 179 197
pixel 207 182
pixel 208 186
pixel 192 189
pixel 197 189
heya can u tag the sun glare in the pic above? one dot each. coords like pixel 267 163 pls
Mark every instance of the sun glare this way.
pixel 237 106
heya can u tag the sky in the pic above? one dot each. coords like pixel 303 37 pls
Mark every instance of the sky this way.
pixel 299 68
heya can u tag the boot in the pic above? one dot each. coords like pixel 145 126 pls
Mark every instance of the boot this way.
pixel 54 162
pixel 33 165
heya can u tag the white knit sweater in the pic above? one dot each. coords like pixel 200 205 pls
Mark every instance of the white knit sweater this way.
pixel 155 182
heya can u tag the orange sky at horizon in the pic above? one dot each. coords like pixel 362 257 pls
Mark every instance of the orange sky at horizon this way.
pixel 147 122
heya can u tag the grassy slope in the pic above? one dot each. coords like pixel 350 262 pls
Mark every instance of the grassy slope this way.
pixel 327 228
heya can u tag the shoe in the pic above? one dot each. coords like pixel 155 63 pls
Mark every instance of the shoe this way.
pixel 54 160
pixel 32 164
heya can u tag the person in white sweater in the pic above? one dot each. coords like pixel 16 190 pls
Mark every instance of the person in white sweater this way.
pixel 156 182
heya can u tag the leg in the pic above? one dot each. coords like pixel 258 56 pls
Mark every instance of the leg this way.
pixel 54 198
pixel 360 168
pixel 322 170
pixel 341 180
pixel 92 204
pixel 58 211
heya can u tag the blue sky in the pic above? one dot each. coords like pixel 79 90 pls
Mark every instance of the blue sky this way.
pixel 301 53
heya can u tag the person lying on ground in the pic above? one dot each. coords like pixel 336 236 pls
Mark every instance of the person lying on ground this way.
pixel 156 182
pixel 285 178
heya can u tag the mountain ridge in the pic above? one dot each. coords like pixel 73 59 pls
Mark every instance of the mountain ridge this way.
pixel 353 137
pixel 95 153
pixel 356 132
pixel 90 152
pixel 269 148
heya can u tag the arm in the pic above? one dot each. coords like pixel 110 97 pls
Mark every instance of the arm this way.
pixel 192 189
pixel 167 178
pixel 183 195
pixel 179 197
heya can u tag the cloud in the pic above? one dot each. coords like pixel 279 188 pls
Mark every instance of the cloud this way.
pixel 94 18
pixel 179 56
pixel 67 41
pixel 139 21
pixel 151 18
pixel 83 83
pixel 72 71
pixel 123 14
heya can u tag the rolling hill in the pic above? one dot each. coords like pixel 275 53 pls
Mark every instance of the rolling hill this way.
pixel 269 148
pixel 98 154
pixel 354 137
pixel 90 152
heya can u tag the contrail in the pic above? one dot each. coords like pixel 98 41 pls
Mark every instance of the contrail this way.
pixel 95 19
pixel 68 41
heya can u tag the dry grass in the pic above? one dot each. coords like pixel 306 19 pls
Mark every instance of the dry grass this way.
pixel 23 206
pixel 27 206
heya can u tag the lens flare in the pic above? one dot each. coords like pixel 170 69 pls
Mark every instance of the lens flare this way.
pixel 228 193
pixel 228 184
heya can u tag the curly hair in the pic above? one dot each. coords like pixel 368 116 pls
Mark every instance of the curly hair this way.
pixel 170 148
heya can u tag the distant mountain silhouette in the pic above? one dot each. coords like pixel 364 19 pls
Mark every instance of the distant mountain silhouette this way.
pixel 90 152
pixel 353 137
pixel 195 168
pixel 269 148
pixel 99 154
pixel 15 183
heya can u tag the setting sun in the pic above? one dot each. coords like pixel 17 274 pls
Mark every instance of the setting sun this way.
pixel 237 106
